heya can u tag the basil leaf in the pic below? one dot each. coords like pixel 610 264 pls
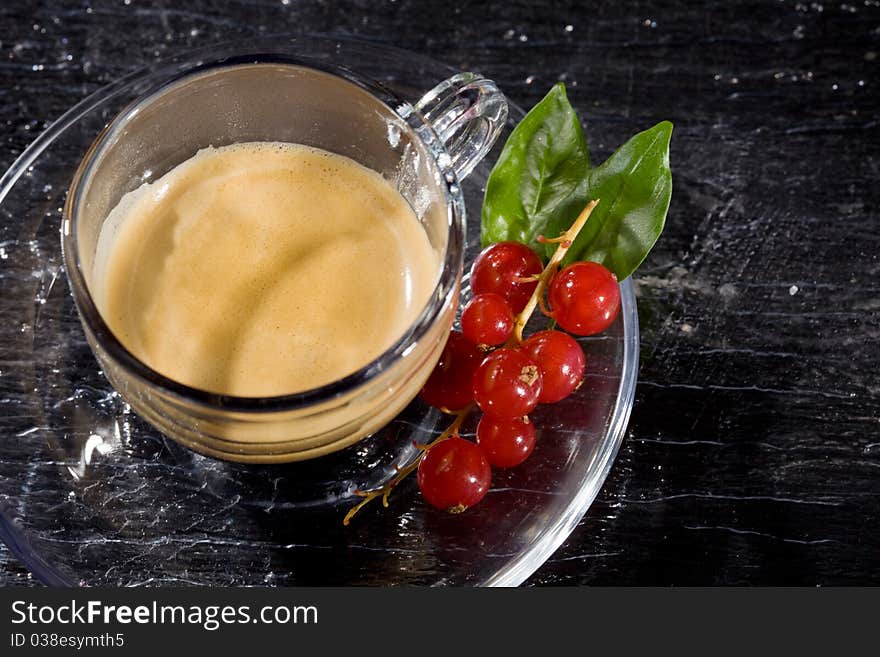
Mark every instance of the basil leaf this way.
pixel 634 187
pixel 540 169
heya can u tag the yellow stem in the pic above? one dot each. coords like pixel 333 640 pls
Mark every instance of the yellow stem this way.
pixel 407 470
pixel 565 241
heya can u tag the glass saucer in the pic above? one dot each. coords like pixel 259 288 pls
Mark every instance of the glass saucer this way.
pixel 92 495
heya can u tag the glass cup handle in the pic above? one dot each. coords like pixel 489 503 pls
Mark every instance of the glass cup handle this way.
pixel 467 112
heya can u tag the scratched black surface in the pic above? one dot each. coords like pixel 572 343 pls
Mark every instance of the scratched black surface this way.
pixel 753 453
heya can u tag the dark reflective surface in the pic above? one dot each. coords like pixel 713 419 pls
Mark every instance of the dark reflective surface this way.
pixel 753 451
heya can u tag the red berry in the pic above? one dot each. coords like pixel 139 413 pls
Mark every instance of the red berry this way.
pixel 584 298
pixel 449 386
pixel 561 361
pixel 505 443
pixel 499 269
pixel 454 475
pixel 487 319
pixel 507 384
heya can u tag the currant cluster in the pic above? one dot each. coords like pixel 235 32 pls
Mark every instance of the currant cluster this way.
pixel 489 364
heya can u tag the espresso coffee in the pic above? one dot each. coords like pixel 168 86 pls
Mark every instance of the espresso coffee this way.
pixel 262 269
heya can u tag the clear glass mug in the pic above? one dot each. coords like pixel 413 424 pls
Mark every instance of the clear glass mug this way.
pixel 424 149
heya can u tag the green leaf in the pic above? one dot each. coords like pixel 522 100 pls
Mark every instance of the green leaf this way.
pixel 634 187
pixel 540 170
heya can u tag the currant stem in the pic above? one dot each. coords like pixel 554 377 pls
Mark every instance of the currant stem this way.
pixel 404 472
pixel 565 241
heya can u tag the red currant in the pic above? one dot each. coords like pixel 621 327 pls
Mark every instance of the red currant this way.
pixel 505 443
pixel 449 386
pixel 561 361
pixel 500 268
pixel 487 319
pixel 507 384
pixel 584 298
pixel 454 475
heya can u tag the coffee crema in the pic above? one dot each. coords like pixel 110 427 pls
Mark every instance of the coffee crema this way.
pixel 262 269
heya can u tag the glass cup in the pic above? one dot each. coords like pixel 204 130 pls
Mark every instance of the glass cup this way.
pixel 424 149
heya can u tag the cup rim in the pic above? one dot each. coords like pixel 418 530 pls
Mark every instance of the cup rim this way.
pixel 445 286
